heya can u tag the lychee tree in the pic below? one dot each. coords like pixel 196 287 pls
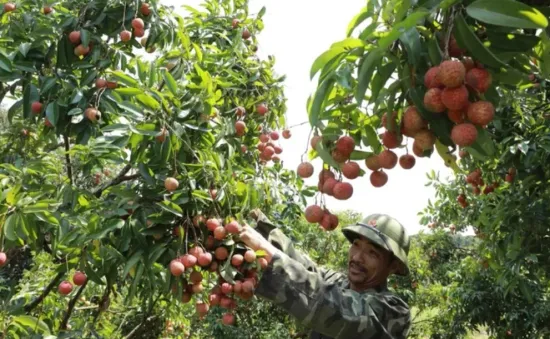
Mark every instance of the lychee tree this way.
pixel 466 79
pixel 414 77
pixel 138 141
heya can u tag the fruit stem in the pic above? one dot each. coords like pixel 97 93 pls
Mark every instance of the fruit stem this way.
pixel 70 308
pixel 448 30
pixel 68 158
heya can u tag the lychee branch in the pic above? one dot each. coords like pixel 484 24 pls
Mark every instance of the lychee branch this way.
pixel 68 158
pixel 45 292
pixel 70 308
pixel 121 177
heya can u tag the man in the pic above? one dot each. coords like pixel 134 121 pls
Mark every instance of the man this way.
pixel 333 305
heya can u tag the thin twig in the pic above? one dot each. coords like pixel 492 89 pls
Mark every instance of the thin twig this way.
pixel 121 177
pixel 68 158
pixel 45 292
pixel 70 308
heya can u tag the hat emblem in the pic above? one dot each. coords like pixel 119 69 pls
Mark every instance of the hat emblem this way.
pixel 372 222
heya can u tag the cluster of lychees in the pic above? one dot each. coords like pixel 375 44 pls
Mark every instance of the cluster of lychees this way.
pixel 191 267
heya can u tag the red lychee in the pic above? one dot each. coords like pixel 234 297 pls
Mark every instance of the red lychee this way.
pixel 305 170
pixel 314 214
pixel 452 73
pixel 479 79
pixel 464 134
pixel 345 145
pixel 455 98
pixel 433 102
pixel 456 116
pixel 412 121
pixel 425 139
pixel 351 170
pixel 391 139
pixel 407 161
pixel 378 178
pixel 481 113
pixel 387 159
pixel 343 190
pixel 373 163
pixel 431 79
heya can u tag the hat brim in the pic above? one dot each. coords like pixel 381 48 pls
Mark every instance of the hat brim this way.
pixel 353 232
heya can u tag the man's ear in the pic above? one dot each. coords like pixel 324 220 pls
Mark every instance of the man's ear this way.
pixel 396 266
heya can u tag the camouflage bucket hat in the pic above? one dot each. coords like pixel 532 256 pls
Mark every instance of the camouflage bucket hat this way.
pixel 385 232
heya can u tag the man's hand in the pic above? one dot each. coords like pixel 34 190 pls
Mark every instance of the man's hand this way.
pixel 256 241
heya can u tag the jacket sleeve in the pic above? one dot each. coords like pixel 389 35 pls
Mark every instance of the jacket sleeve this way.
pixel 275 236
pixel 329 309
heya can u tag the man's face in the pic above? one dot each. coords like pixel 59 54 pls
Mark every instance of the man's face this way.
pixel 368 264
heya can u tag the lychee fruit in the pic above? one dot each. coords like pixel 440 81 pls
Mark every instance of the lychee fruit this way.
pixel 481 113
pixel 419 151
pixel 425 139
pixel 79 278
pixel 314 214
pixel 240 128
pixel 457 116
pixel 233 227
pixel 338 156
pixel 351 170
pixel 431 79
pixel 391 139
pixel 433 102
pixel 373 163
pixel 479 79
pixel 451 73
pixel 36 107
pixel 220 233
pixel 305 170
pixel 455 98
pixel 343 190
pixel 3 259
pixel 454 50
pixel 65 287
pixel 315 140
pixel 221 253
pixel 345 145
pixel 464 134
pixel 407 161
pixel 412 121
pixel 171 184
pixel 468 64
pixel 287 134
pixel 228 319
pixel 328 186
pixel 387 159
pixel 378 178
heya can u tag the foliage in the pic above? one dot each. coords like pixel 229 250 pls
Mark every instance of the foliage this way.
pixel 96 126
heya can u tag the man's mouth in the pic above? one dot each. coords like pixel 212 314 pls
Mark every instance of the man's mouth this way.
pixel 356 269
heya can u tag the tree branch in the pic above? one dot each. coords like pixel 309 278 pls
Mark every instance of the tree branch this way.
pixel 131 334
pixel 121 177
pixel 45 292
pixel 68 158
pixel 70 308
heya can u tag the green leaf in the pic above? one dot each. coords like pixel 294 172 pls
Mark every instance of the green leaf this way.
pixel 324 154
pixel 170 207
pixel 404 25
pixel 170 82
pixel 148 101
pixel 468 39
pixel 507 13
pixel 365 71
pixel 319 98
pixel 365 13
pixel 47 217
pixel 10 227
pixel 333 53
pixel 85 37
pixel 434 51
pixel 38 207
pixel 32 323
pixel 370 138
pixel 5 63
pixel 411 40
pixel 484 146
pixel 132 261
pixel 511 41
pixel 52 112
pixel 24 48
pixel 129 91
pixel 125 79
pixel 88 78
pixel 48 84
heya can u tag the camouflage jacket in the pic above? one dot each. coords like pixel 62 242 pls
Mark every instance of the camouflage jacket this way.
pixel 322 300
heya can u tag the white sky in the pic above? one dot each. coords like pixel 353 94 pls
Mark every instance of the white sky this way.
pixel 296 32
